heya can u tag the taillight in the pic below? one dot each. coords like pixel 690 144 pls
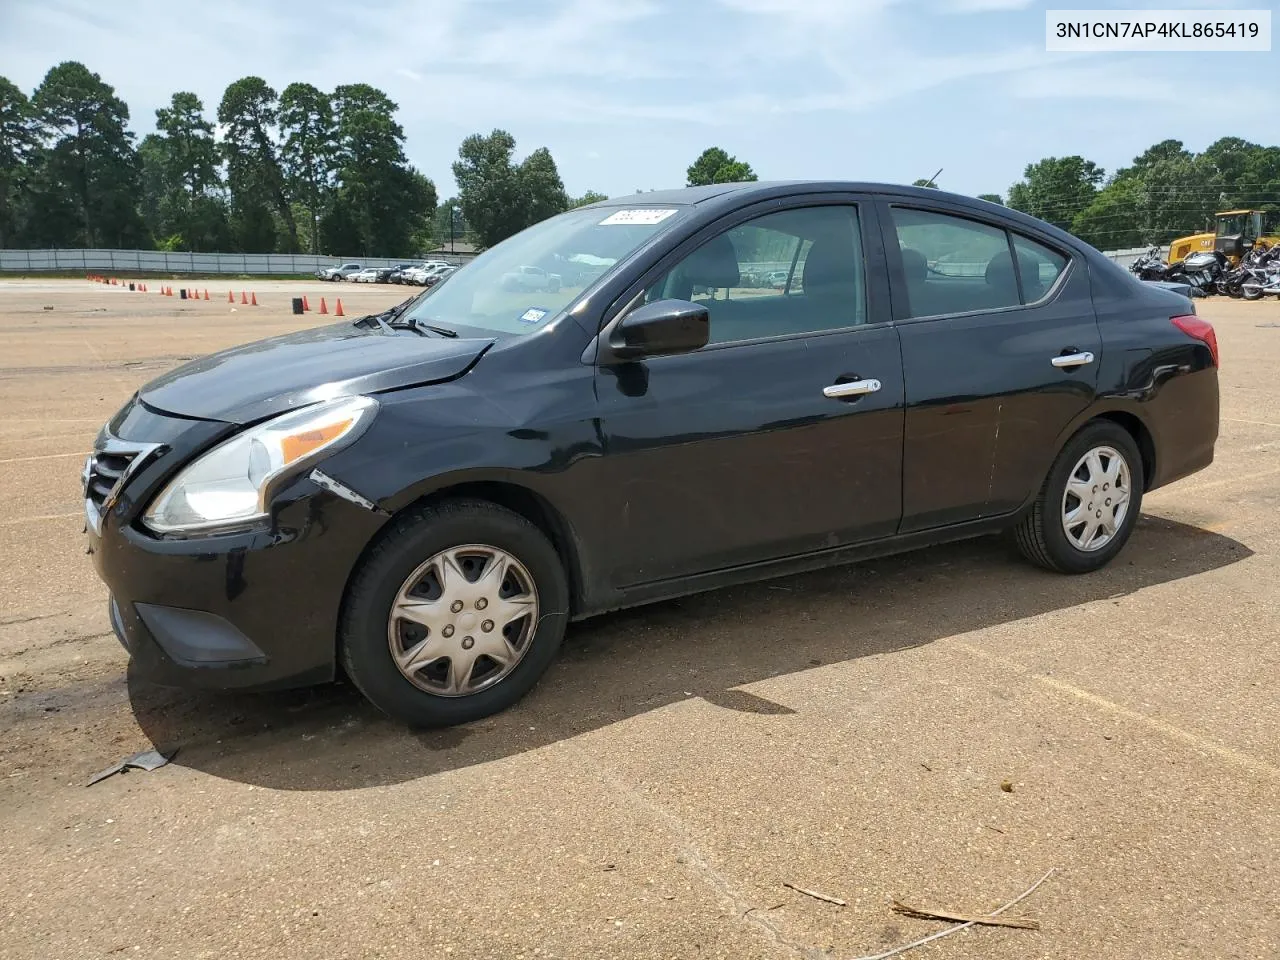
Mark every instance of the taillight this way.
pixel 1202 330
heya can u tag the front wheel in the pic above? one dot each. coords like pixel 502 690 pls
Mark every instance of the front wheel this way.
pixel 1089 503
pixel 455 614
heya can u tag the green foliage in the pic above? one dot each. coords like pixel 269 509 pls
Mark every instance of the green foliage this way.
pixel 500 198
pixel 992 198
pixel 714 165
pixel 19 142
pixel 924 183
pixel 249 112
pixel 309 156
pixel 86 187
pixel 589 197
pixel 181 180
pixel 387 202
pixel 1056 189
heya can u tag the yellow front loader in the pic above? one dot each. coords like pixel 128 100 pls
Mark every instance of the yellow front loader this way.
pixel 1235 232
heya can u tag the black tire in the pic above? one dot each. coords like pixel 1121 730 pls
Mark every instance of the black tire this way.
pixel 1040 535
pixel 412 539
pixel 1254 294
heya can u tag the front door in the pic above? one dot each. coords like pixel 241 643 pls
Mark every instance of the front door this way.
pixel 784 434
pixel 998 360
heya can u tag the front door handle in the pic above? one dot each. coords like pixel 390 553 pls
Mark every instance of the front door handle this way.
pixel 1073 360
pixel 854 388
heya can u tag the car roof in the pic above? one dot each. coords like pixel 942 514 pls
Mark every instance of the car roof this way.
pixel 709 199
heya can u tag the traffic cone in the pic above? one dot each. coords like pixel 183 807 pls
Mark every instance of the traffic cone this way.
pixel 305 306
pixel 231 297
pixel 253 299
pixel 244 300
pixel 206 293
pixel 323 308
pixel 338 310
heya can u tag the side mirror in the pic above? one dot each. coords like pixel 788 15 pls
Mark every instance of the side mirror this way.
pixel 658 329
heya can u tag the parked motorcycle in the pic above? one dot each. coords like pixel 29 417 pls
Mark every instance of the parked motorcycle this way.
pixel 1260 274
pixel 1149 266
pixel 1203 271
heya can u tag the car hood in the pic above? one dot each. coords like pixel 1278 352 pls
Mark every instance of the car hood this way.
pixel 267 377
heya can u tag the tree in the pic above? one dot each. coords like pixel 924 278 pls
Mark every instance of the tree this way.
pixel 1111 221
pixel 991 198
pixel 19 141
pixel 248 111
pixel 924 183
pixel 716 166
pixel 498 197
pixel 1056 189
pixel 307 124
pixel 87 194
pixel 587 198
pixel 181 179
pixel 386 201
pixel 542 189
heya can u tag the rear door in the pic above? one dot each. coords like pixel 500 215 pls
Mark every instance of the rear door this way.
pixel 783 435
pixel 1000 351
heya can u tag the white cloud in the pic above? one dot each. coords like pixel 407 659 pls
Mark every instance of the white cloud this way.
pixel 984 6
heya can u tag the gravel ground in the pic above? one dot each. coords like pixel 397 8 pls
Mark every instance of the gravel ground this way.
pixel 847 731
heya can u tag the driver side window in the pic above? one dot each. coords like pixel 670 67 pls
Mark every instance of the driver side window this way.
pixel 791 272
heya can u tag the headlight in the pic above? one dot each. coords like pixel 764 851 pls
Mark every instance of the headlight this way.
pixel 230 484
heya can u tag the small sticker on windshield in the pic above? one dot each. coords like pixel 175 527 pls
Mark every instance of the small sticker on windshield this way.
pixel 644 215
pixel 532 315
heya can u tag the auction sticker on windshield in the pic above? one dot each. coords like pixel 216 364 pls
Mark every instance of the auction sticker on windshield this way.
pixel 643 215
pixel 532 315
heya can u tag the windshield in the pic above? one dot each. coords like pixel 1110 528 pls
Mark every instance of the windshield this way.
pixel 521 284
pixel 1231 226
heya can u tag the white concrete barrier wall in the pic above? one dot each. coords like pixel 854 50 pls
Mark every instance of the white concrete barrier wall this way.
pixel 279 264
pixel 159 261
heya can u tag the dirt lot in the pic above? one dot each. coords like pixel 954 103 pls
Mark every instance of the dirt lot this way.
pixel 847 732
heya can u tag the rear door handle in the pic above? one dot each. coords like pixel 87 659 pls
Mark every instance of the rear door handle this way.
pixel 854 388
pixel 1073 360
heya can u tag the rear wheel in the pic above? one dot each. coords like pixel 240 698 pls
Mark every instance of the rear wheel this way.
pixel 1089 503
pixel 455 614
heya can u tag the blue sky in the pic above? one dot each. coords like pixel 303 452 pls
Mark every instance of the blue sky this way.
pixel 626 93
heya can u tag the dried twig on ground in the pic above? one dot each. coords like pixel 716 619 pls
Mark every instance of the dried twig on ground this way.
pixel 817 896
pixel 921 913
pixel 968 923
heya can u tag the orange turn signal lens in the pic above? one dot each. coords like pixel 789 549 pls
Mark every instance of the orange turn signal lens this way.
pixel 298 445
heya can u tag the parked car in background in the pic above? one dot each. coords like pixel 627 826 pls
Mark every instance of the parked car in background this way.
pixel 338 273
pixel 423 499
pixel 419 274
pixel 433 278
pixel 367 275
pixel 530 278
pixel 422 275
pixel 396 274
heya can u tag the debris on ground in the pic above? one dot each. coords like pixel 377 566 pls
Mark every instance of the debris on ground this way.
pixel 813 893
pixel 962 926
pixel 148 760
pixel 929 913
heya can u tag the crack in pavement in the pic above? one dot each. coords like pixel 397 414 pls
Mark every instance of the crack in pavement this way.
pixel 745 912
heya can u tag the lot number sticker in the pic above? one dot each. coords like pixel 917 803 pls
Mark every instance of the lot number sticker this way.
pixel 532 315
pixel 647 216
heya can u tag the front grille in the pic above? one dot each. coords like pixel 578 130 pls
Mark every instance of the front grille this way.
pixel 104 472
pixel 107 472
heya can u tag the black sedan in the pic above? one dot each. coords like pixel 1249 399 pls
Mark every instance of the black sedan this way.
pixel 424 498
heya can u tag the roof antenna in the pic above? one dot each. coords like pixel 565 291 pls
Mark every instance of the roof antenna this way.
pixel 933 181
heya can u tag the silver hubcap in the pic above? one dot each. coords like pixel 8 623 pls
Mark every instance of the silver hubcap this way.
pixel 463 620
pixel 1096 500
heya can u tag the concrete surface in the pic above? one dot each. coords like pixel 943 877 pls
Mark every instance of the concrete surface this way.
pixel 847 731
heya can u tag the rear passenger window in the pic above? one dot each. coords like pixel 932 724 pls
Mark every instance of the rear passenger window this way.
pixel 1039 267
pixel 954 265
